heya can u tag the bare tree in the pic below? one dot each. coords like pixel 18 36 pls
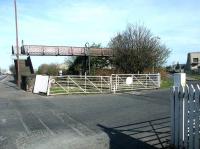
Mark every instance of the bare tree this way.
pixel 136 49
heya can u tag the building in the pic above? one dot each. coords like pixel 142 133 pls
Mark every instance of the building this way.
pixel 193 62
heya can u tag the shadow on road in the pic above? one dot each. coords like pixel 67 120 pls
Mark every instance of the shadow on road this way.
pixel 151 134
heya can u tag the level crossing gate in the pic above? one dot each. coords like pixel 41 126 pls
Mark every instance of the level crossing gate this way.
pixel 76 84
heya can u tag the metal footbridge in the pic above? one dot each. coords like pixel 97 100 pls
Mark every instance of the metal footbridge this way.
pixel 43 50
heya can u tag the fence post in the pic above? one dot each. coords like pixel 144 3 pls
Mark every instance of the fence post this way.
pixel 191 116
pixel 146 80
pixel 101 84
pixel 49 86
pixel 85 82
pixel 197 122
pixel 111 87
pixel 179 79
pixel 68 83
pixel 177 110
pixel 159 78
pixel 186 115
pixel 172 100
pixel 116 82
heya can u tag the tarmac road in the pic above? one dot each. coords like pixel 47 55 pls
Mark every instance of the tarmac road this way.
pixel 137 120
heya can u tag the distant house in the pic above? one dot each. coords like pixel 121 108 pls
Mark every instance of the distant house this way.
pixel 193 62
pixel 176 68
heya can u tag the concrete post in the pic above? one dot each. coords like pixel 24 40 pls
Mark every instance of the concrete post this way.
pixel 179 79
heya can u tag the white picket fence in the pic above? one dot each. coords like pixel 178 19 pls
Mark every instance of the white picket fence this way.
pixel 185 117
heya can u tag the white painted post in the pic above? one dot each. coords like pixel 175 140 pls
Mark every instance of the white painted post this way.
pixel 176 117
pixel 191 116
pixel 179 114
pixel 111 85
pixel 179 79
pixel 49 86
pixel 116 82
pixel 181 118
pixel 197 95
pixel 172 115
pixel 186 116
pixel 85 82
pixel 68 83
pixel 101 84
pixel 159 78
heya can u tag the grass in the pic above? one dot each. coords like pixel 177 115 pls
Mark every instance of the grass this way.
pixel 166 83
pixel 194 76
pixel 55 90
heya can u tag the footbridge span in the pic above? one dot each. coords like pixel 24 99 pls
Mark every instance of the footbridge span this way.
pixel 43 50
pixel 25 64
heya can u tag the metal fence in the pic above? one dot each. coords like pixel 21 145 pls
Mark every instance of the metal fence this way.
pixel 101 84
pixel 185 117
pixel 128 82
pixel 78 84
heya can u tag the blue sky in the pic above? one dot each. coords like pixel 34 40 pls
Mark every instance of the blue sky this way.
pixel 75 22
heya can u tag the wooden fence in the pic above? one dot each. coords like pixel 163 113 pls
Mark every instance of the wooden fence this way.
pixel 185 117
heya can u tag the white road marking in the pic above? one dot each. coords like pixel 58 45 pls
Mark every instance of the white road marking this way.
pixel 21 119
pixel 63 121
pixel 25 126
pixel 47 128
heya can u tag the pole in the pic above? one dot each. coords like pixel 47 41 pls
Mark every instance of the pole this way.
pixel 88 55
pixel 17 45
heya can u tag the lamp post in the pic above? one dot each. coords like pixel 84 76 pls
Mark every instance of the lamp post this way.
pixel 17 45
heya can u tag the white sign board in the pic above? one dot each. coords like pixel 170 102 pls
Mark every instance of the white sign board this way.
pixel 129 80
pixel 41 84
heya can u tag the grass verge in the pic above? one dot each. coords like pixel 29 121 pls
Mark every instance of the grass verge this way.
pixel 166 83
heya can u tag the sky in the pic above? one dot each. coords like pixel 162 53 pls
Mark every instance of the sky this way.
pixel 75 22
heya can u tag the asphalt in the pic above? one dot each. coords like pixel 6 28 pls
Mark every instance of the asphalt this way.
pixel 122 121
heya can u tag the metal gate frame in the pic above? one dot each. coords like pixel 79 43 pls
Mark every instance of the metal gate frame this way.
pixel 76 84
pixel 139 81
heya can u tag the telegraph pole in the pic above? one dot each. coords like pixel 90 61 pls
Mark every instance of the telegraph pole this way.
pixel 88 54
pixel 17 45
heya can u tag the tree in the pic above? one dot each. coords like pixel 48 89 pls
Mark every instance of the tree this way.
pixel 178 67
pixel 80 64
pixel 136 49
pixel 48 69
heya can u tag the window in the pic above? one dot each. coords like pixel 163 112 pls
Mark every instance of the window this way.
pixel 195 60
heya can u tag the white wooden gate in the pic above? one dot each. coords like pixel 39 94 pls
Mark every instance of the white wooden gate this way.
pixel 185 117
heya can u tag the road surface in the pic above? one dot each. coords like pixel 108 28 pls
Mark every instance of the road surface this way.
pixel 135 120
